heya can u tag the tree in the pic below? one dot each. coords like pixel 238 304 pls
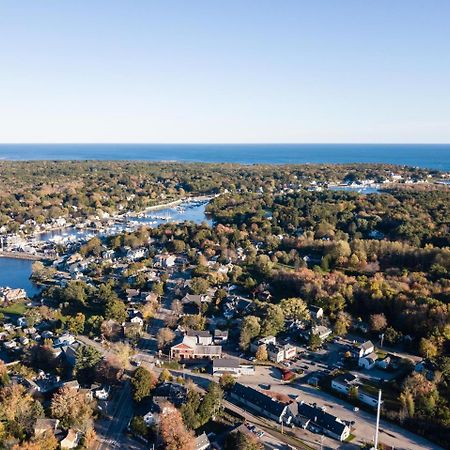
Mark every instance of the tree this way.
pixel 86 359
pixel 273 320
pixel 295 308
pixel 211 403
pixel 116 309
pixel 240 440
pixel 378 322
pixel 227 381
pixel 428 348
pixel 164 337
pixel 353 393
pixel 138 426
pixel 158 289
pixel 261 353
pixel 199 285
pixel 71 408
pixel 177 307
pixel 122 353
pixel 314 341
pixel 19 410
pixel 143 381
pixel 76 324
pixel 250 328
pixel 172 430
pixel 164 376
pixel 407 401
pixel 342 324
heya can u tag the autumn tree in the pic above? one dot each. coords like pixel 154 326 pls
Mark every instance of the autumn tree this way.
pixel 342 324
pixel 164 337
pixel 71 408
pixel 261 353
pixel 172 430
pixel 378 322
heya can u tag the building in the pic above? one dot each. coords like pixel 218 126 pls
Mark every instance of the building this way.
pixel 196 345
pixel 261 403
pixel 10 295
pixel 202 442
pixel 319 421
pixel 316 312
pixel 220 337
pixel 343 383
pixel 197 300
pixel 321 331
pixel 368 361
pixel 232 367
pixel 364 349
pixel 278 352
pixel 71 440
pixel 262 341
pixel 164 260
pixel 43 426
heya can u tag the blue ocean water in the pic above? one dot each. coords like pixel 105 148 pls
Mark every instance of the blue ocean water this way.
pixel 15 273
pixel 434 156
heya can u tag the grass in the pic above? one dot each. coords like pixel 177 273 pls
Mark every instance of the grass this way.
pixel 15 309
pixel 350 437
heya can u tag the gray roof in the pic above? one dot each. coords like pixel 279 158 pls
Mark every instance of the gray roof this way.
pixel 226 363
pixel 321 418
pixel 201 441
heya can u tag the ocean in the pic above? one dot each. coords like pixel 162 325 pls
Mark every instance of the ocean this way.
pixel 433 156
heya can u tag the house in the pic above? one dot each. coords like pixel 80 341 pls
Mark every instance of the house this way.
pixel 321 331
pixel 220 337
pixel 138 320
pixel 71 440
pixel 364 349
pixel 10 295
pixel 384 363
pixel 164 260
pixel 174 393
pixel 319 421
pixel 135 254
pixel 102 393
pixel 202 337
pixel 278 352
pixel 343 383
pixel 368 361
pixel 43 426
pixel 261 403
pixel 64 339
pixel 316 312
pixel 262 341
pixel 426 368
pixel 202 442
pixel 22 322
pixel 196 299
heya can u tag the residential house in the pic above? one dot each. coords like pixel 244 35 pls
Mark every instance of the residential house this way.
pixel 316 312
pixel 364 349
pixel 71 440
pixel 278 352
pixel 261 403
pixel 10 295
pixel 164 260
pixel 262 341
pixel 220 336
pixel 368 361
pixel 321 331
pixel 174 393
pixel 319 421
pixel 202 442
pixel 44 425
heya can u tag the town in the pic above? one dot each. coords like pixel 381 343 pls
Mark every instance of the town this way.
pixel 246 328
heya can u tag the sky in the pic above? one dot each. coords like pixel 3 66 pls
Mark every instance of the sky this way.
pixel 234 71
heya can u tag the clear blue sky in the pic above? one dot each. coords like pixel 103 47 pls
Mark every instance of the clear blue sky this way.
pixel 224 71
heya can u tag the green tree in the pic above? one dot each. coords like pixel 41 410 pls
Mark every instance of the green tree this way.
pixel 295 308
pixel 86 359
pixel 342 324
pixel 115 309
pixel 261 353
pixel 314 341
pixel 143 381
pixel 75 325
pixel 273 321
pixel 250 328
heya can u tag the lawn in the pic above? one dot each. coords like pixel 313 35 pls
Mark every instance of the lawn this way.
pixel 15 309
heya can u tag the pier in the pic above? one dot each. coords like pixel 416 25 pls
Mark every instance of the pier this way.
pixel 21 255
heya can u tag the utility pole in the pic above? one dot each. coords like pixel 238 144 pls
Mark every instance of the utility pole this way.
pixel 382 339
pixel 378 420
